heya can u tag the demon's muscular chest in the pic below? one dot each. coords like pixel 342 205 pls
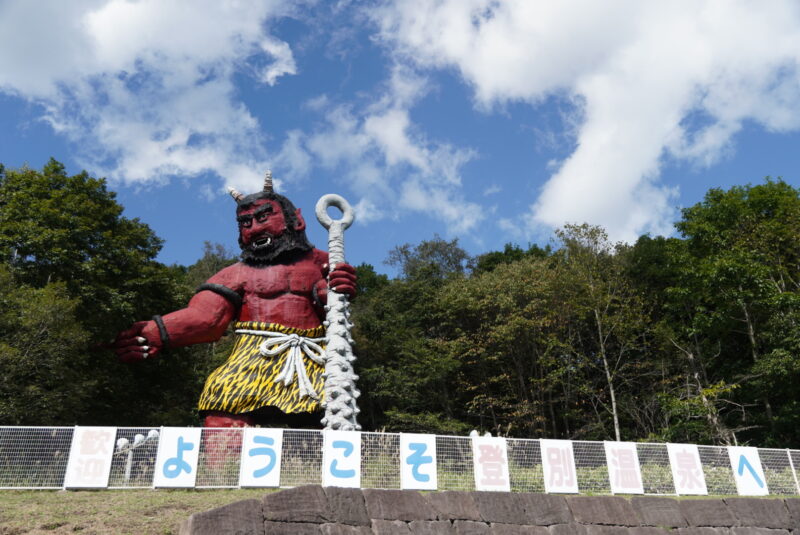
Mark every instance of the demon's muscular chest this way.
pixel 278 293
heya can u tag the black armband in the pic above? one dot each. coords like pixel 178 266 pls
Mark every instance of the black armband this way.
pixel 162 331
pixel 232 297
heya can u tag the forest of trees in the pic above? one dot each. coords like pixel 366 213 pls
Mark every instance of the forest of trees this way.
pixel 693 338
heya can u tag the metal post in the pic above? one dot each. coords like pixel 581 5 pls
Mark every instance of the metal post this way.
pixel 128 465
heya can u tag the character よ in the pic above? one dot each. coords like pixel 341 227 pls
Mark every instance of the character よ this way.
pixel 275 296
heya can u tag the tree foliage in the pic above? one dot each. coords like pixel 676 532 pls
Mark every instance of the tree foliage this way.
pixel 395 334
pixel 70 229
pixel 74 271
pixel 683 339
pixel 686 339
pixel 42 349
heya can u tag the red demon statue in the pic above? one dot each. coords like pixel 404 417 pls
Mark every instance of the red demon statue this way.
pixel 276 296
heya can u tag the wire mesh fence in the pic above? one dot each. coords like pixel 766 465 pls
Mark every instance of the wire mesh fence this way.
pixel 34 457
pixel 133 467
pixel 778 471
pixel 302 458
pixel 591 467
pixel 380 460
pixel 37 458
pixel 655 469
pixel 717 470
pixel 525 465
pixel 220 454
pixel 454 468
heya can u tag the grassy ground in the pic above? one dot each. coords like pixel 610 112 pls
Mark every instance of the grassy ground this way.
pixel 108 512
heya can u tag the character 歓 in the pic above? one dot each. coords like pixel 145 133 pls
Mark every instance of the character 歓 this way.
pixel 276 297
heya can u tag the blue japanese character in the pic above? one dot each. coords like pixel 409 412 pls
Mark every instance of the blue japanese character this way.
pixel 744 463
pixel 416 459
pixel 348 449
pixel 174 466
pixel 261 472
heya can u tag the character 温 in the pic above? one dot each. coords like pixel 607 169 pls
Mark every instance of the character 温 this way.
pixel 276 297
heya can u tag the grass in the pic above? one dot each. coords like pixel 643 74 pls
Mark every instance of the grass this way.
pixel 107 512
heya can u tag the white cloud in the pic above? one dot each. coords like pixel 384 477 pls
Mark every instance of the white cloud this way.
pixel 366 211
pixel 144 88
pixel 492 190
pixel 648 80
pixel 293 157
pixel 384 159
pixel 510 228
pixel 283 64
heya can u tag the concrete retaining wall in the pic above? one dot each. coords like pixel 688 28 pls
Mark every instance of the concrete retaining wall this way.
pixel 314 510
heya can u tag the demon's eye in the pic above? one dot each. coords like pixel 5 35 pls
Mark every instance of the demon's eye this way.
pixel 245 221
pixel 263 213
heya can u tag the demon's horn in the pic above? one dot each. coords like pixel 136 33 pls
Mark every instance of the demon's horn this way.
pixel 235 194
pixel 268 181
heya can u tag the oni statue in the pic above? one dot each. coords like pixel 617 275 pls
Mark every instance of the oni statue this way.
pixel 276 297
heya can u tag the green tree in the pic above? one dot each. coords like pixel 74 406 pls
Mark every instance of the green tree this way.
pixel 609 329
pixel 406 384
pixel 511 253
pixel 431 259
pixel 687 335
pixel 743 246
pixel 43 362
pixel 724 304
pixel 503 328
pixel 65 237
pixel 55 227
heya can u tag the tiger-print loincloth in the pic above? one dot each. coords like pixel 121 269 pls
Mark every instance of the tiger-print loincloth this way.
pixel 246 381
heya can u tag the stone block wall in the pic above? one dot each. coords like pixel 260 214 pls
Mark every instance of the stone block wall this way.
pixel 314 510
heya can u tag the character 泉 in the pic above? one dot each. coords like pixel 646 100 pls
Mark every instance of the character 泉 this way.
pixel 276 296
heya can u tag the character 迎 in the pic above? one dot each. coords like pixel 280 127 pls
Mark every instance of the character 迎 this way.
pixel 276 297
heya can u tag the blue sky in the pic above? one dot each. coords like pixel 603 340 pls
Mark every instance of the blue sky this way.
pixel 483 120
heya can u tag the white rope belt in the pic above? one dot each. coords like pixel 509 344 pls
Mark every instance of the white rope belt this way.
pixel 276 343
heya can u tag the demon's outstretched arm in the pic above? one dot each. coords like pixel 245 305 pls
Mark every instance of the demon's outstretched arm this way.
pixel 203 320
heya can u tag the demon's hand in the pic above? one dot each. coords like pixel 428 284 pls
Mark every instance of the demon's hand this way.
pixel 342 279
pixel 142 341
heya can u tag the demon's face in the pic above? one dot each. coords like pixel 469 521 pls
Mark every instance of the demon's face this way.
pixel 266 231
pixel 260 224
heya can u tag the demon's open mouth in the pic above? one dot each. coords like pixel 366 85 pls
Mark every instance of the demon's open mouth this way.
pixel 262 242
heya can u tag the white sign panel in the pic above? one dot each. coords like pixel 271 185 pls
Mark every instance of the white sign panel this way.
pixel 490 459
pixel 89 463
pixel 418 462
pixel 261 457
pixel 558 464
pixel 624 473
pixel 176 463
pixel 341 459
pixel 747 471
pixel 687 472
